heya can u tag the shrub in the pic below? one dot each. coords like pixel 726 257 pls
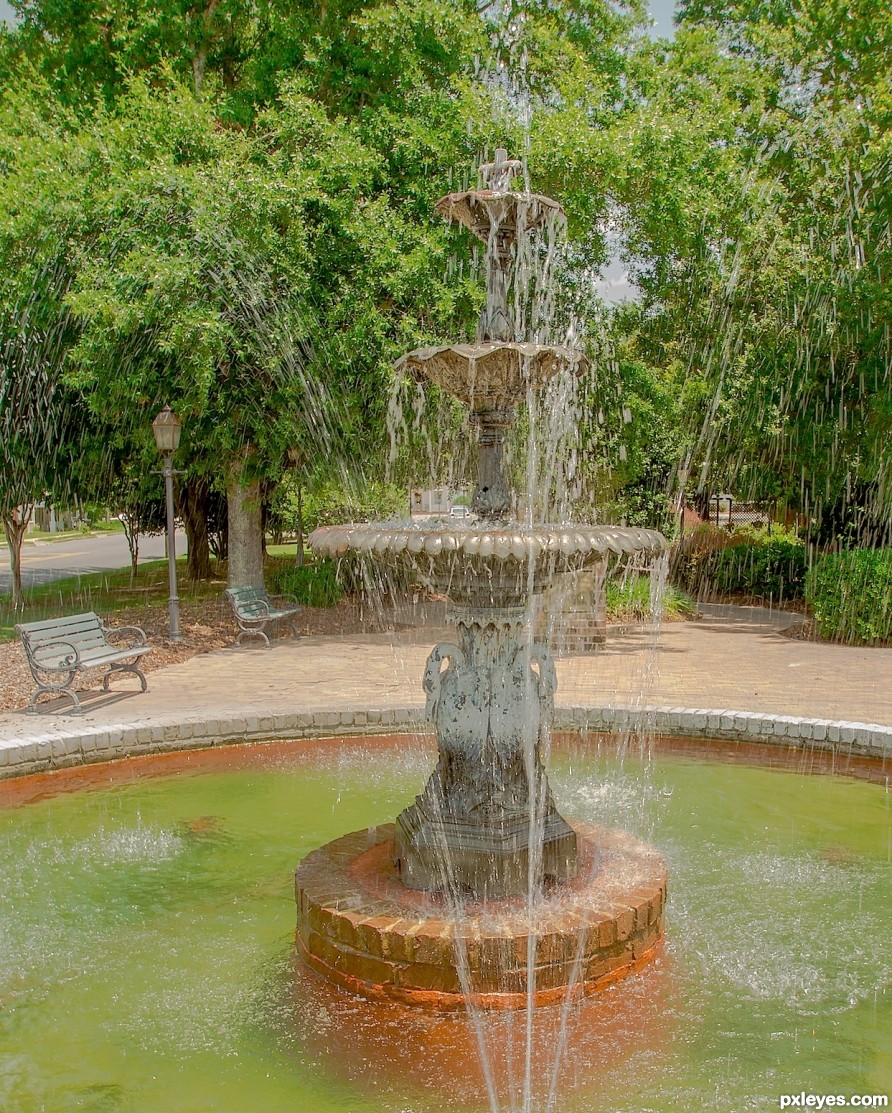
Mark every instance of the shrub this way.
pixel 850 594
pixel 630 599
pixel 750 562
pixel 313 585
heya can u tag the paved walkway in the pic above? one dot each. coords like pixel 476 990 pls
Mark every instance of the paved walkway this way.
pixel 732 658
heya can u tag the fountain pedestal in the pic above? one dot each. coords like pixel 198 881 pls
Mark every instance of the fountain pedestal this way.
pixel 360 927
pixel 486 823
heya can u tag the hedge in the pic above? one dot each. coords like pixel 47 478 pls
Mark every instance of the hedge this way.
pixel 850 594
pixel 751 562
pixel 314 584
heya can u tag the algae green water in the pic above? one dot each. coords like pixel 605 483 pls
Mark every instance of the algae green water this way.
pixel 146 943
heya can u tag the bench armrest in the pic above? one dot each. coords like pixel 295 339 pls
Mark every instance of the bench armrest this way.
pixel 137 630
pixel 40 656
pixel 290 599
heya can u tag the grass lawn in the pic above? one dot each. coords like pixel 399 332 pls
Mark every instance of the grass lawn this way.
pixel 117 590
pixel 111 526
pixel 288 549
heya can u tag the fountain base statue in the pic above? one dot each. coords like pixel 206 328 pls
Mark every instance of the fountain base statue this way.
pixel 361 928
pixel 486 823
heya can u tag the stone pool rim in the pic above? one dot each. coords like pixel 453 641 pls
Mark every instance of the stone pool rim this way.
pixel 56 746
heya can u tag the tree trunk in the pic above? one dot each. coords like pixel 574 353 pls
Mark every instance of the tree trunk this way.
pixel 245 531
pixel 15 522
pixel 131 532
pixel 192 500
pixel 205 36
pixel 299 560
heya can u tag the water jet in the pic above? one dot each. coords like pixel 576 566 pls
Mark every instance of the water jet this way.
pixel 485 831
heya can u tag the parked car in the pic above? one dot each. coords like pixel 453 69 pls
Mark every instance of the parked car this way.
pixel 459 512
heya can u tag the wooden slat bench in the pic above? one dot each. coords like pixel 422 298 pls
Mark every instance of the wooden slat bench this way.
pixel 254 610
pixel 60 648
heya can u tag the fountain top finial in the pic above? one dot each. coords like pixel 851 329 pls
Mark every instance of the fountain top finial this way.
pixel 498 174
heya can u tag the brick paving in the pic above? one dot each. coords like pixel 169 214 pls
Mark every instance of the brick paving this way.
pixel 732 658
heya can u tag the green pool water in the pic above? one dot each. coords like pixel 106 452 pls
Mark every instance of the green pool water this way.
pixel 146 933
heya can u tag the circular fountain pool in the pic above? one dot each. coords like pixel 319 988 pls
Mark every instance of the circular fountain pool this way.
pixel 147 953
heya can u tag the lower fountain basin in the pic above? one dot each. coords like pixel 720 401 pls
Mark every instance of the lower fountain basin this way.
pixel 360 927
pixel 155 896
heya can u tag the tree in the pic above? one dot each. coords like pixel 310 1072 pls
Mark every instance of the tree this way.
pixel 259 254
pixel 753 205
pixel 136 495
pixel 41 424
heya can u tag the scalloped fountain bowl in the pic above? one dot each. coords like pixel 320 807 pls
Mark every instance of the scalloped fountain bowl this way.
pixel 483 210
pixel 480 562
pixel 491 375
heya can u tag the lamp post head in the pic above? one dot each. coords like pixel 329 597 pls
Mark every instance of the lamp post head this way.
pixel 166 428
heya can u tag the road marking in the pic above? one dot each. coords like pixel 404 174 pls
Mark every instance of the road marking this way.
pixel 28 559
pixel 50 556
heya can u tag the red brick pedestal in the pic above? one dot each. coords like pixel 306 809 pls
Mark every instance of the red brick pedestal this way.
pixel 359 927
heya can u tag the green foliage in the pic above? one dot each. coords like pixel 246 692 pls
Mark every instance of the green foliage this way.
pixel 313 585
pixel 630 599
pixel 752 562
pixel 633 439
pixel 752 192
pixel 763 565
pixel 226 206
pixel 850 594
pixel 335 503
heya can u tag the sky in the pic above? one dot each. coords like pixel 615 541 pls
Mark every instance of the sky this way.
pixel 661 13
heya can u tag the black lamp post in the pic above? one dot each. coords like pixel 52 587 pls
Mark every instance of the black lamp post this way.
pixel 167 427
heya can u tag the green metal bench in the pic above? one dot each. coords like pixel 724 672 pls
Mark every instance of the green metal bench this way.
pixel 254 610
pixel 59 648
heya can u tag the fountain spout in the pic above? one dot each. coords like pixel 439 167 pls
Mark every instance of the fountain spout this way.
pixel 498 175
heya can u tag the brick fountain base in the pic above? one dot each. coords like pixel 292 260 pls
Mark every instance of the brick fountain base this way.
pixel 359 927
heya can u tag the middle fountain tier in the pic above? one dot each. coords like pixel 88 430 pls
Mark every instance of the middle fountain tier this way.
pixel 486 825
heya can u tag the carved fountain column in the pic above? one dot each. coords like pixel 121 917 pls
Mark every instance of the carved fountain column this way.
pixel 486 823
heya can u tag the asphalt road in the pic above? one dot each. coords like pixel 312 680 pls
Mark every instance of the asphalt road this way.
pixel 45 561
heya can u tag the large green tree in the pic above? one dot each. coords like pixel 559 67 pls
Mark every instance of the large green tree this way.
pixel 753 200
pixel 48 446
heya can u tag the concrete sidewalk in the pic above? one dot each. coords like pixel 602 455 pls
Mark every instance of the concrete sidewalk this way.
pixel 732 658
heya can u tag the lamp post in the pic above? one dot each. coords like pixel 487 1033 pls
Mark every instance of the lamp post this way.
pixel 166 428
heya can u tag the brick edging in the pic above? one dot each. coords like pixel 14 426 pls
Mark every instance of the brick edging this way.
pixel 58 747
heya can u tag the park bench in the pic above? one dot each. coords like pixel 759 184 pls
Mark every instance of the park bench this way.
pixel 59 648
pixel 254 610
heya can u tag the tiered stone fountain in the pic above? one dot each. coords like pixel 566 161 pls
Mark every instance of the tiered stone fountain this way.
pixel 481 890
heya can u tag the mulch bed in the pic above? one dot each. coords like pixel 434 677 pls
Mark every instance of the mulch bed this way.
pixel 803 632
pixel 808 632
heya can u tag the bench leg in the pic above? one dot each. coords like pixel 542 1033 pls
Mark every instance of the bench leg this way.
pixel 253 634
pixel 55 691
pixel 124 668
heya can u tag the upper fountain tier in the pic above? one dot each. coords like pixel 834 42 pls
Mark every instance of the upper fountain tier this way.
pixel 481 564
pixel 491 559
pixel 492 376
pixel 497 214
